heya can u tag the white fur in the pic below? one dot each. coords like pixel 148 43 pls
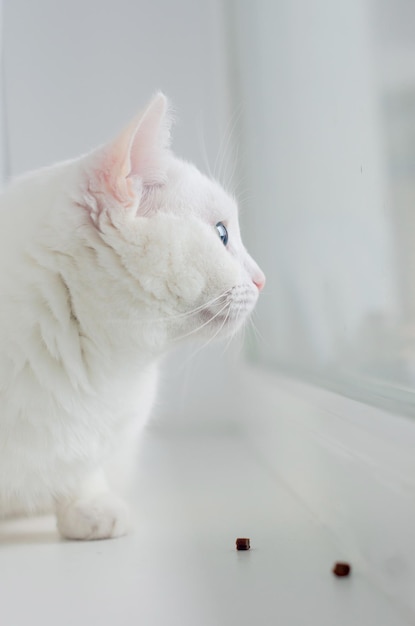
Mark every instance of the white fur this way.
pixel 105 262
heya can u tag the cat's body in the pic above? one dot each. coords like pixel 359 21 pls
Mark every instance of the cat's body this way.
pixel 105 262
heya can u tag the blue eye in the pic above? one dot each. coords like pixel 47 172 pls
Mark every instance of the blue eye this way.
pixel 223 233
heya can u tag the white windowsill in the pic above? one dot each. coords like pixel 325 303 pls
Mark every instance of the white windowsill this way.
pixel 310 476
pixel 350 464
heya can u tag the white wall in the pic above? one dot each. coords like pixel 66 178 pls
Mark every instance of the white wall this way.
pixel 77 71
pixel 3 122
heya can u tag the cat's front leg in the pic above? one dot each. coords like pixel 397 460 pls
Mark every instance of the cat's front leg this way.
pixel 92 512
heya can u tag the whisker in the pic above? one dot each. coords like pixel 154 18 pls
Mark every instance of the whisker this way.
pixel 230 179
pixel 204 150
pixel 235 332
pixel 224 142
pixel 229 341
pixel 244 196
pixel 197 309
pixel 228 144
pixel 257 333
pixel 176 316
pixel 209 341
pixel 195 330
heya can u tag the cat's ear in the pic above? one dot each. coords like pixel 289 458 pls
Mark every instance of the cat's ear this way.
pixel 138 155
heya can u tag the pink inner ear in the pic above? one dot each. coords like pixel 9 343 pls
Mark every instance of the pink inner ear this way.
pixel 117 166
pixel 139 152
pixel 150 142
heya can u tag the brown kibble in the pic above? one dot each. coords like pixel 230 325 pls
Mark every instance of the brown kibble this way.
pixel 341 569
pixel 243 543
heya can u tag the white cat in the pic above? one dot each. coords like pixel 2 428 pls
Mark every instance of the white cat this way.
pixel 105 262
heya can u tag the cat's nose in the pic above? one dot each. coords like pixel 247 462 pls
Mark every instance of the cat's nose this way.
pixel 259 280
pixel 260 284
pixel 255 272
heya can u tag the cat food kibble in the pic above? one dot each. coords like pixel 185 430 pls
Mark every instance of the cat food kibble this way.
pixel 341 569
pixel 243 543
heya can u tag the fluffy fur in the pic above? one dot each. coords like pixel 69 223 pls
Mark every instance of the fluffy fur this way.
pixel 105 262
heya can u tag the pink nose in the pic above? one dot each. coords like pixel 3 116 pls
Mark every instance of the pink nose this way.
pixel 259 281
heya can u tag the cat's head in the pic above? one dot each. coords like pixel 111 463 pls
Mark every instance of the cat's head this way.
pixel 174 231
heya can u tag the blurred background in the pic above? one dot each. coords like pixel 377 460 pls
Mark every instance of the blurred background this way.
pixel 305 109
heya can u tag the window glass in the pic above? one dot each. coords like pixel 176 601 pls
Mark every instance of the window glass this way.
pixel 326 92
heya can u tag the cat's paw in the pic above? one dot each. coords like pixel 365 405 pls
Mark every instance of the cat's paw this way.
pixel 102 516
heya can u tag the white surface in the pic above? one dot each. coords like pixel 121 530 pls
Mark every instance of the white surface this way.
pixel 351 464
pixel 194 497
